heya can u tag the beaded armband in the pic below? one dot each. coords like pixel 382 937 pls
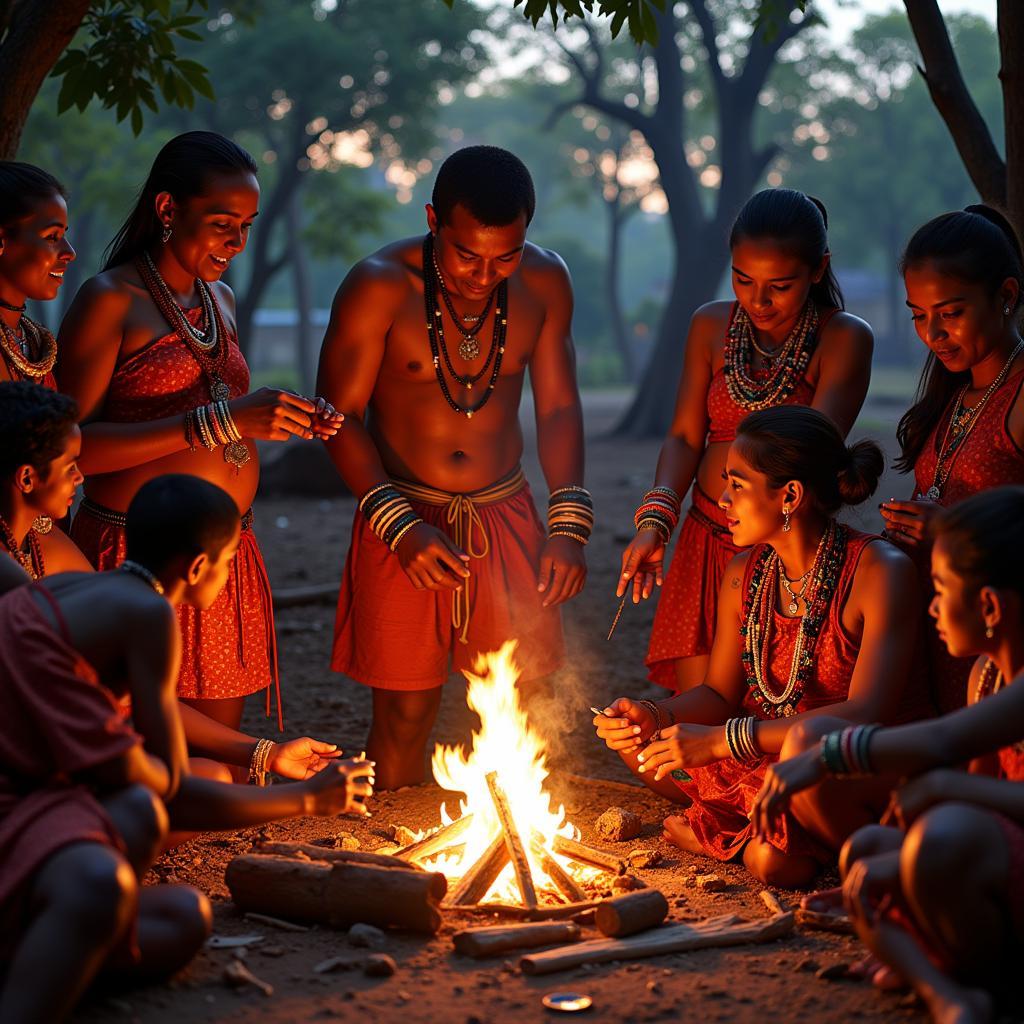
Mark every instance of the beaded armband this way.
pixel 571 513
pixel 389 513
pixel 846 752
pixel 740 738
pixel 658 511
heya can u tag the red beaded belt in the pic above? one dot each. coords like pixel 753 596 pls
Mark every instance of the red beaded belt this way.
pixel 115 518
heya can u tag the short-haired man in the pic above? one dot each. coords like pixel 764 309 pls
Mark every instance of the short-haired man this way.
pixel 431 337
pixel 86 797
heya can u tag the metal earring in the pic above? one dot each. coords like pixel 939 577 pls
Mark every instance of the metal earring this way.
pixel 989 632
pixel 1006 310
pixel 785 518
pixel 166 236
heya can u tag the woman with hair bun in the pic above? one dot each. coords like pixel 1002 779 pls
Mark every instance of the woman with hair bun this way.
pixel 814 619
pixel 785 341
pixel 149 351
pixel 34 253
pixel 965 432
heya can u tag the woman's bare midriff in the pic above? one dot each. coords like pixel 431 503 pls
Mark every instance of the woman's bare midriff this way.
pixel 116 490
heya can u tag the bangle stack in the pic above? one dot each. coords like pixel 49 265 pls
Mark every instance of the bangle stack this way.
pixel 258 762
pixel 656 714
pixel 846 754
pixel 212 425
pixel 739 737
pixel 389 513
pixel 571 513
pixel 659 511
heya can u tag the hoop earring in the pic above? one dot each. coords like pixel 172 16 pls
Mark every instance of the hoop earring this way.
pixel 785 519
pixel 166 236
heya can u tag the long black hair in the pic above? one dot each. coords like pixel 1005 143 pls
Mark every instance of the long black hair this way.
pixel 21 186
pixel 798 222
pixel 976 245
pixel 182 168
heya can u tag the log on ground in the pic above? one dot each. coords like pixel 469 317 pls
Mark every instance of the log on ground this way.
pixel 588 855
pixel 481 942
pixel 672 939
pixel 631 913
pixel 331 856
pixel 338 894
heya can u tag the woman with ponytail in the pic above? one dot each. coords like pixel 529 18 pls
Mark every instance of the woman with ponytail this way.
pixel 34 253
pixel 784 341
pixel 149 352
pixel 965 432
pixel 814 619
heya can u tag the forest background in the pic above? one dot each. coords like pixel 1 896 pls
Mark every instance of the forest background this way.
pixel 640 154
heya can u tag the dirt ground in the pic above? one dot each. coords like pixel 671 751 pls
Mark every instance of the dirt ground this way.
pixel 304 543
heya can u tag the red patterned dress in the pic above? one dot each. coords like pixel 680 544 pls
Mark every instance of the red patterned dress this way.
pixel 722 793
pixel 989 457
pixel 230 648
pixel 684 623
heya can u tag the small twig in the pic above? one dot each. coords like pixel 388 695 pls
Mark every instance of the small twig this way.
pixel 276 922
pixel 772 902
pixel 618 615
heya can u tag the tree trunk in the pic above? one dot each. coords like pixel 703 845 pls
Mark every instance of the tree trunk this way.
pixel 1010 24
pixel 620 333
pixel 37 35
pixel 303 295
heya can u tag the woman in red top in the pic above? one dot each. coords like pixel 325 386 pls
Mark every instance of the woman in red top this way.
pixel 815 619
pixel 34 252
pixel 148 350
pixel 963 275
pixel 939 899
pixel 785 340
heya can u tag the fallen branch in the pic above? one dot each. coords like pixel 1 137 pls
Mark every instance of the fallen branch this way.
pixel 446 835
pixel 481 942
pixel 562 880
pixel 772 902
pixel 631 913
pixel 815 920
pixel 588 855
pixel 325 853
pixel 473 885
pixel 338 894
pixel 550 912
pixel 276 922
pixel 672 939
pixel 513 841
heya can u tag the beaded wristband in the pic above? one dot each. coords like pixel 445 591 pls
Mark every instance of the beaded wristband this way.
pixel 258 762
pixel 659 511
pixel 571 513
pixel 388 513
pixel 846 754
pixel 741 741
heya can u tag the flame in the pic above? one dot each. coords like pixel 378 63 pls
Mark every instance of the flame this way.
pixel 508 745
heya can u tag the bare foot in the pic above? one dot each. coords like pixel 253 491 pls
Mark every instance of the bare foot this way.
pixel 881 975
pixel 960 1006
pixel 825 901
pixel 678 833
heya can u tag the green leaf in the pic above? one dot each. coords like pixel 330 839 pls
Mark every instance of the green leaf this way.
pixel 136 120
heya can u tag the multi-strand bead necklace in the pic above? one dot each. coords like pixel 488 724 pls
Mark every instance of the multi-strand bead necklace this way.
pixel 208 345
pixel 757 623
pixel 438 347
pixel 17 349
pixel 30 560
pixel 783 367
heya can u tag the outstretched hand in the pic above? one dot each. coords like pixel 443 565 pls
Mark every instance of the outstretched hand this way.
pixel 343 787
pixel 680 747
pixel 907 523
pixel 301 758
pixel 642 563
pixel 782 781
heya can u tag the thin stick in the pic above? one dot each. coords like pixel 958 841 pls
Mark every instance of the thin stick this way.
pixel 480 877
pixel 564 882
pixel 514 842
pixel 447 835
pixel 618 615
pixel 771 901
pixel 588 855
pixel 276 922
pixel 480 942
pixel 548 912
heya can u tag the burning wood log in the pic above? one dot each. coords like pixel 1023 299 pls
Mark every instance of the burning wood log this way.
pixel 631 913
pixel 673 939
pixel 513 841
pixel 549 912
pixel 588 855
pixel 338 894
pixel 325 853
pixel 480 942
pixel 446 835
pixel 563 881
pixel 480 877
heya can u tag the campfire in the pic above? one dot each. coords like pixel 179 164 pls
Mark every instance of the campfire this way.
pixel 506 846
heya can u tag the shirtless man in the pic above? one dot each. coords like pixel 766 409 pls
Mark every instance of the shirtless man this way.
pixel 429 574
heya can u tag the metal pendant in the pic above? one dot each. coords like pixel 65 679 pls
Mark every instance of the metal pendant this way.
pixel 469 348
pixel 793 608
pixel 219 391
pixel 933 493
pixel 42 524
pixel 236 454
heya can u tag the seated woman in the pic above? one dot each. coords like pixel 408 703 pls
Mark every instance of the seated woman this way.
pixel 39 446
pixel 816 619
pixel 953 869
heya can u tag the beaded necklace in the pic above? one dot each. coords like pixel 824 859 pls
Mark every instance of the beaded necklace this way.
pixel 435 335
pixel 760 611
pixel 32 559
pixel 17 350
pixel 142 573
pixel 784 366
pixel 469 347
pixel 961 423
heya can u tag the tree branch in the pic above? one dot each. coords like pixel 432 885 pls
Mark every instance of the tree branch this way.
pixel 763 52
pixel 704 19
pixel 954 103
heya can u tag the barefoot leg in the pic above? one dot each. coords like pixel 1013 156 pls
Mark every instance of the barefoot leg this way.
pixel 678 833
pixel 399 731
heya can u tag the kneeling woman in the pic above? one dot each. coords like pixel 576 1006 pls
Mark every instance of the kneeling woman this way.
pixel 815 619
